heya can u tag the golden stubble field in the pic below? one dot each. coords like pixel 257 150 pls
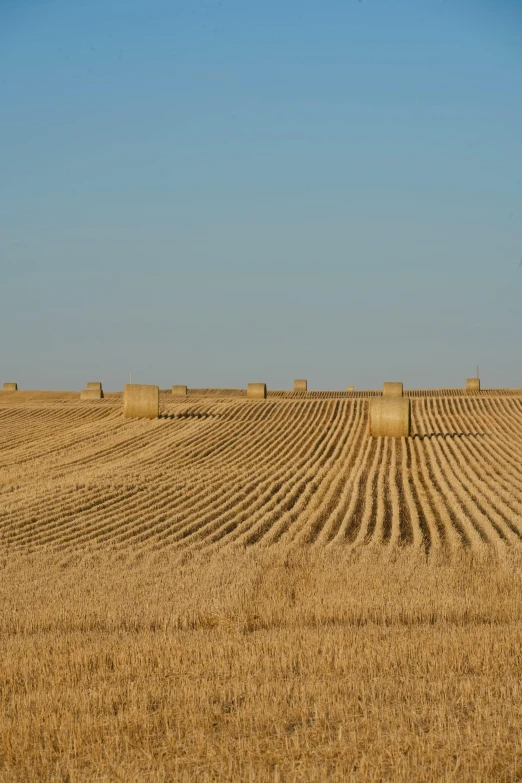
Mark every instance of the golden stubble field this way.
pixel 255 590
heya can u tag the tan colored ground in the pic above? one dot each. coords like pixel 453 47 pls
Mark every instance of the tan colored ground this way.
pixel 255 590
pixel 221 472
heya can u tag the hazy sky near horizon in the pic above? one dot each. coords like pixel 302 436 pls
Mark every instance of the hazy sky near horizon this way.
pixel 213 193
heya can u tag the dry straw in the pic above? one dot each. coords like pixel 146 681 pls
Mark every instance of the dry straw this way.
pixel 94 385
pixel 10 387
pixel 179 391
pixel 91 394
pixel 140 401
pixel 300 385
pixel 473 384
pixel 390 417
pixel 392 389
pixel 256 391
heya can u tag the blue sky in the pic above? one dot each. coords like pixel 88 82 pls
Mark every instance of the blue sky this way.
pixel 213 193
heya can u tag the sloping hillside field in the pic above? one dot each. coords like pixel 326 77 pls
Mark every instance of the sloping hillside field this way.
pixel 219 471
pixel 257 590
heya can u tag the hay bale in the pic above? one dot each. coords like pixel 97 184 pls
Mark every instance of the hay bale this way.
pixel 473 384
pixel 350 388
pixel 91 394
pixel 256 391
pixel 179 391
pixel 390 417
pixel 94 385
pixel 300 385
pixel 140 401
pixel 10 387
pixel 392 389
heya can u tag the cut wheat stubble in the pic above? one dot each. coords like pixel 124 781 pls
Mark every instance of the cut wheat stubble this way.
pixel 260 474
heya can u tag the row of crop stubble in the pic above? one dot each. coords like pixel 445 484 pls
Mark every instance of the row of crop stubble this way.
pixel 218 472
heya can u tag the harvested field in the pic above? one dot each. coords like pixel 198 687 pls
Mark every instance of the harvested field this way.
pixel 221 472
pixel 257 590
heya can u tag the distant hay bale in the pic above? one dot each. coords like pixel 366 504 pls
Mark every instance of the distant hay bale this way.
pixel 140 401
pixel 94 385
pixel 91 394
pixel 392 389
pixel 179 391
pixel 10 387
pixel 473 384
pixel 350 388
pixel 256 391
pixel 390 417
pixel 300 385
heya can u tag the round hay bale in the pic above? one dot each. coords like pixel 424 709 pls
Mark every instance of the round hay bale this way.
pixel 390 417
pixel 350 388
pixel 179 391
pixel 91 394
pixel 10 387
pixel 140 401
pixel 300 385
pixel 256 391
pixel 392 389
pixel 473 384
pixel 94 385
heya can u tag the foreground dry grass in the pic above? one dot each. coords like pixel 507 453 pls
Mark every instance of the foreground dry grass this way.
pixel 261 666
pixel 248 590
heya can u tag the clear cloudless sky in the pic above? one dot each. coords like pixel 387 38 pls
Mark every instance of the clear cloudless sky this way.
pixel 213 192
